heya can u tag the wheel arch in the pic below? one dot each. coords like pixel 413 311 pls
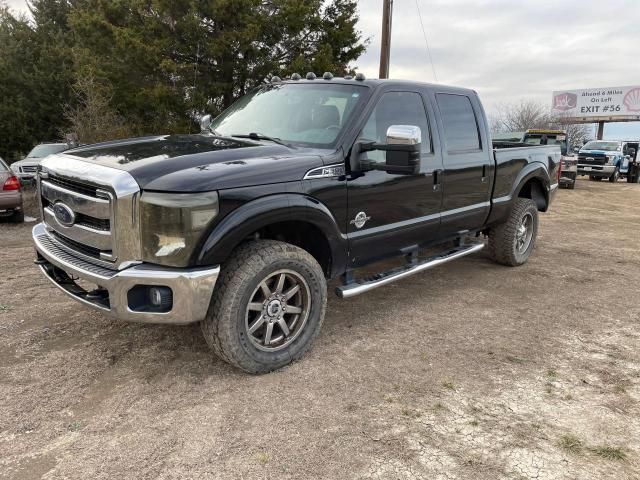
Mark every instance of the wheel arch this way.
pixel 293 218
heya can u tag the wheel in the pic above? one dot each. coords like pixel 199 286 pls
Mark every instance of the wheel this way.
pixel 267 307
pixel 18 216
pixel 615 176
pixel 512 242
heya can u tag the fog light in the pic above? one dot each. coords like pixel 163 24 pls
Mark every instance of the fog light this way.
pixel 160 297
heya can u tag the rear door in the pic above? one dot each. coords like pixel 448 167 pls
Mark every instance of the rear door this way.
pixel 388 213
pixel 468 163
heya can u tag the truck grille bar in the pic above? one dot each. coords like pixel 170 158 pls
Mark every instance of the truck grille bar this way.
pixel 90 210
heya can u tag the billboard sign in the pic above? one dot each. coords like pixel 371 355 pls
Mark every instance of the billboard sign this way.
pixel 617 104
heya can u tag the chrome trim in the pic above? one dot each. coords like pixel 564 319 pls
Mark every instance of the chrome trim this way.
pixel 122 192
pixel 91 206
pixel 100 239
pixel 192 288
pixel 385 278
pixel 328 171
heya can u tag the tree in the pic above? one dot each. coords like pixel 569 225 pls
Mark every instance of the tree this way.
pixel 170 61
pixel 528 114
pixel 36 75
pixel 91 118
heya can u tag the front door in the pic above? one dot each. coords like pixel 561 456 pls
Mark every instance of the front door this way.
pixel 391 213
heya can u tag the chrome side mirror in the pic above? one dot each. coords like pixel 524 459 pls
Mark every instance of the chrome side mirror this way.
pixel 404 135
pixel 205 123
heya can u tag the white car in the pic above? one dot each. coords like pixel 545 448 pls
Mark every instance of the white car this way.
pixel 26 168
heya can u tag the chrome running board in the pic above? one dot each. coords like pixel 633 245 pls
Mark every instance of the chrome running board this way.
pixel 378 280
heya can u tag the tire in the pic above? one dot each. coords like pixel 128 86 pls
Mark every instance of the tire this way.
pixel 615 176
pixel 504 239
pixel 18 216
pixel 227 326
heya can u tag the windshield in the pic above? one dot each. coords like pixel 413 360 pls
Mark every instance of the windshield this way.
pixel 42 151
pixel 304 114
pixel 607 146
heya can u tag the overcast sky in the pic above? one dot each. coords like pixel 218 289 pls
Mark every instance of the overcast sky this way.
pixel 508 50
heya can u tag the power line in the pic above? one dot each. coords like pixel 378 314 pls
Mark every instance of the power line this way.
pixel 424 33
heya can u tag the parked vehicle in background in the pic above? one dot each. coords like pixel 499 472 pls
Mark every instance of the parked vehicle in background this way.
pixel 632 160
pixel 26 168
pixel 569 168
pixel 10 195
pixel 539 136
pixel 298 182
pixel 604 159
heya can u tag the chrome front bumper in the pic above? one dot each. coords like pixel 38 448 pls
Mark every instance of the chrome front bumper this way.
pixel 596 170
pixel 191 288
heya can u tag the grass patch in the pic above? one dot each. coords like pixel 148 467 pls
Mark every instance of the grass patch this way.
pixel 263 457
pixel 609 452
pixel 439 407
pixel 552 373
pixel 410 413
pixel 570 443
pixel 567 397
pixel 619 388
pixel 449 385
pixel 474 423
pixel 5 308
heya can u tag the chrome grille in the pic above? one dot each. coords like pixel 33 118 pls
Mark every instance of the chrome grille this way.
pixel 96 216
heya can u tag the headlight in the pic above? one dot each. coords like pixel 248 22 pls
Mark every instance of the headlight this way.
pixel 611 159
pixel 171 224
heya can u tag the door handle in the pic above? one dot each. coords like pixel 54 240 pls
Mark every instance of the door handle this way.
pixel 437 179
pixel 484 174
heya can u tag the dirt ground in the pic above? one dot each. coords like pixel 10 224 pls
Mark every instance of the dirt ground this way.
pixel 469 371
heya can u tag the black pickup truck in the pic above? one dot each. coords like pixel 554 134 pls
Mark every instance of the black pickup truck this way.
pixel 301 181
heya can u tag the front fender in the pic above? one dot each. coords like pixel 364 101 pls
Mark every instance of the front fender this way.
pixel 262 212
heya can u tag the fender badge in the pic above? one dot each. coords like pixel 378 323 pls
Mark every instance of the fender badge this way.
pixel 360 220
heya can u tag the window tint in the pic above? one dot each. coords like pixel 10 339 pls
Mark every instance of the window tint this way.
pixel 460 126
pixel 396 108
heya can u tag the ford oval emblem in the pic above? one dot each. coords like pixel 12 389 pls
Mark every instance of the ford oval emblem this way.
pixel 64 215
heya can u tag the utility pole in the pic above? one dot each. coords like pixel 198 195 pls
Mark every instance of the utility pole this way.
pixel 385 47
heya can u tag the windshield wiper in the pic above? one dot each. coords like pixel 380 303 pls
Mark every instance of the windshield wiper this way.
pixel 260 136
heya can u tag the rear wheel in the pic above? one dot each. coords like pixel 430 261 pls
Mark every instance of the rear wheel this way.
pixel 18 216
pixel 512 242
pixel 267 307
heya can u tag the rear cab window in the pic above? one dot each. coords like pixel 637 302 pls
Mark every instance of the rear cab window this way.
pixel 461 129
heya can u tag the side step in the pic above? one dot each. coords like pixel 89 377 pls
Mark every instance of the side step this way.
pixel 357 287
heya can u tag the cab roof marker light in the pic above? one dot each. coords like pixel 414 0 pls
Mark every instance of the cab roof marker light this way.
pixel 327 75
pixel 348 77
pixel 360 77
pixel 275 79
pixel 296 77
pixel 311 76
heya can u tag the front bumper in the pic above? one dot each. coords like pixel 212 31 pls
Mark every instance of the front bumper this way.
pixel 191 288
pixel 596 170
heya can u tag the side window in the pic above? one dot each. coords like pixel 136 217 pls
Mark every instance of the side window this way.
pixel 460 125
pixel 396 108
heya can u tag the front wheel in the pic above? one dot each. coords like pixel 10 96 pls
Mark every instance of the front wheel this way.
pixel 614 176
pixel 512 242
pixel 268 306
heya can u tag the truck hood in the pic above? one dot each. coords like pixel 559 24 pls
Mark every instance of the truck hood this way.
pixel 197 163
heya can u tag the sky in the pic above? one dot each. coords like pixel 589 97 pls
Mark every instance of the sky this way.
pixel 507 50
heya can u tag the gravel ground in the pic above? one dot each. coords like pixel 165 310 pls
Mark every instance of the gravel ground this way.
pixel 469 371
